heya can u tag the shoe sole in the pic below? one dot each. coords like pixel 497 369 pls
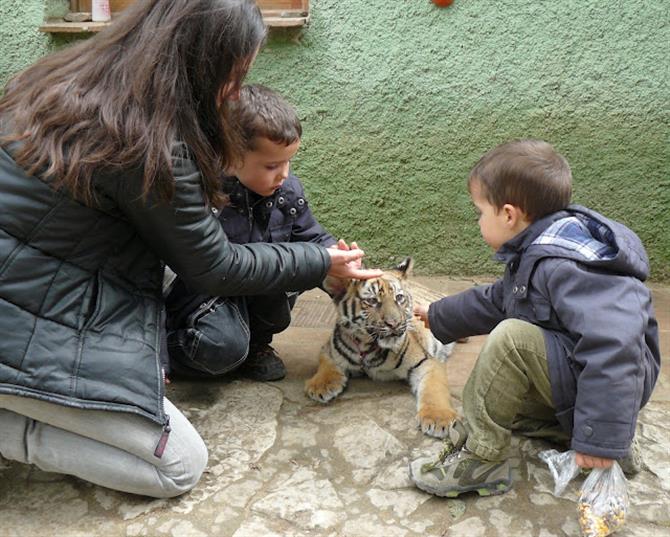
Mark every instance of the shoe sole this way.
pixel 259 376
pixel 491 489
pixel 272 378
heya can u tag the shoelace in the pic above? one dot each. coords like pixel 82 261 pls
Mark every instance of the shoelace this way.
pixel 447 450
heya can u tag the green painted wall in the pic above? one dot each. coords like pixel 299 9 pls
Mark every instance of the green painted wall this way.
pixel 400 98
pixel 20 42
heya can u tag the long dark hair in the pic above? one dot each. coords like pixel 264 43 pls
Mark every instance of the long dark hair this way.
pixel 120 99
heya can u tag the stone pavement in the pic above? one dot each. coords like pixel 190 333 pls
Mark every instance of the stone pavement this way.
pixel 283 466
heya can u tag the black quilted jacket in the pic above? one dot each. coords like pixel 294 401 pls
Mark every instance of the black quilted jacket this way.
pixel 80 287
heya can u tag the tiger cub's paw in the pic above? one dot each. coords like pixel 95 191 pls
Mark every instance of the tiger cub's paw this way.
pixel 324 391
pixel 435 421
pixel 326 384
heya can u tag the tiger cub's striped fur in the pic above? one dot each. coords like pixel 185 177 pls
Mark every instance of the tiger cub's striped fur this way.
pixel 377 334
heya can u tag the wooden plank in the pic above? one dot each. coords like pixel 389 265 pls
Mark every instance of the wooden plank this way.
pixel 119 5
pixel 286 22
pixel 274 20
pixel 299 5
pixel 276 14
pixel 59 26
pixel 114 5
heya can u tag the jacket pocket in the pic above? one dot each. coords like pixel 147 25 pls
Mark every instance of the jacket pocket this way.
pixel 215 339
pixel 541 309
pixel 534 309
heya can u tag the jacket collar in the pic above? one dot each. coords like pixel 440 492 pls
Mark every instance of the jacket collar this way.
pixel 240 196
pixel 511 250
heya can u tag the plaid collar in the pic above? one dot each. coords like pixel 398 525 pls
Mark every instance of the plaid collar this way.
pixel 588 238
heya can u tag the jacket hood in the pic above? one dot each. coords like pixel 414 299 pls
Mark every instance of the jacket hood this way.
pixel 587 237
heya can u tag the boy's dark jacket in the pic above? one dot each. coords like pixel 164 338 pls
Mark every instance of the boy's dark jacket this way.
pixel 600 331
pixel 249 218
pixel 283 217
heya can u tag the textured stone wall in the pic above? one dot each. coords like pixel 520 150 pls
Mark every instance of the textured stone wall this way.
pixel 399 99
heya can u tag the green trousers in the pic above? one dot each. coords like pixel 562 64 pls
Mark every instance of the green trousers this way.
pixel 509 390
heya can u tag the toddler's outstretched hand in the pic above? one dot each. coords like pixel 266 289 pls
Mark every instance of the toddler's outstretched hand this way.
pixel 421 312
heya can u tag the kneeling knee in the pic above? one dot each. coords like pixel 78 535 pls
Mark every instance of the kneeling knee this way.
pixel 511 327
pixel 510 332
pixel 183 472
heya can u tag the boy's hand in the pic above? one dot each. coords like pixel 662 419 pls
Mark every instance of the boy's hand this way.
pixel 421 312
pixel 346 264
pixel 342 245
pixel 591 461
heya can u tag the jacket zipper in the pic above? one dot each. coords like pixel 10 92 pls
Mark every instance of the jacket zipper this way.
pixel 250 212
pixel 162 441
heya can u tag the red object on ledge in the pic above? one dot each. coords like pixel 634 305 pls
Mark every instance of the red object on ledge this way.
pixel 443 3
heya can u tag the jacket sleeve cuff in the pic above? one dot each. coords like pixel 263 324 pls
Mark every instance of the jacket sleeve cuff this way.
pixel 327 262
pixel 437 327
pixel 594 438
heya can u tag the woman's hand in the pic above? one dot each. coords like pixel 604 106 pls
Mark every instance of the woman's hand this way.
pixel 346 263
pixel 421 312
pixel 591 461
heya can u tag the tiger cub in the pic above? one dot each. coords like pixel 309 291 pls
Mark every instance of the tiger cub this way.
pixel 377 334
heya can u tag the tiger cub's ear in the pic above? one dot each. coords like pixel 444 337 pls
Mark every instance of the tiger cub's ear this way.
pixel 335 287
pixel 405 267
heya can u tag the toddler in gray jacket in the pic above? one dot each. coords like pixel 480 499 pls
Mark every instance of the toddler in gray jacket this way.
pixel 572 353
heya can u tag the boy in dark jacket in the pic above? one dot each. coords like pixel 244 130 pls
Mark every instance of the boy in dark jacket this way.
pixel 572 353
pixel 213 335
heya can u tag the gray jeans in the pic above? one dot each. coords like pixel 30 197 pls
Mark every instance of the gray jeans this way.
pixel 111 449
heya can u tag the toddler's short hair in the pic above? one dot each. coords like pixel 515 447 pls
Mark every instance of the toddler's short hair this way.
pixel 529 174
pixel 261 112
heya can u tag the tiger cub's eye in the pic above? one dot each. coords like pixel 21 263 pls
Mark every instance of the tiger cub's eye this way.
pixel 400 298
pixel 372 301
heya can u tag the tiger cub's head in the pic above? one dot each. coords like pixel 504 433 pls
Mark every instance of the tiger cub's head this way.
pixel 380 308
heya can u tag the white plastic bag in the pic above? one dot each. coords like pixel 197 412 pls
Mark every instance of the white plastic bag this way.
pixel 562 466
pixel 603 500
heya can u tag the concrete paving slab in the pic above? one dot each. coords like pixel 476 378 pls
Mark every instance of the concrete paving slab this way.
pixel 282 465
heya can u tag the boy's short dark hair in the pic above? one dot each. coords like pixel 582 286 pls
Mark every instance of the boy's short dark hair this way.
pixel 261 112
pixel 529 174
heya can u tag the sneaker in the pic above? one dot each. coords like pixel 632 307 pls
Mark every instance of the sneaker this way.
pixel 457 470
pixel 632 463
pixel 263 363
